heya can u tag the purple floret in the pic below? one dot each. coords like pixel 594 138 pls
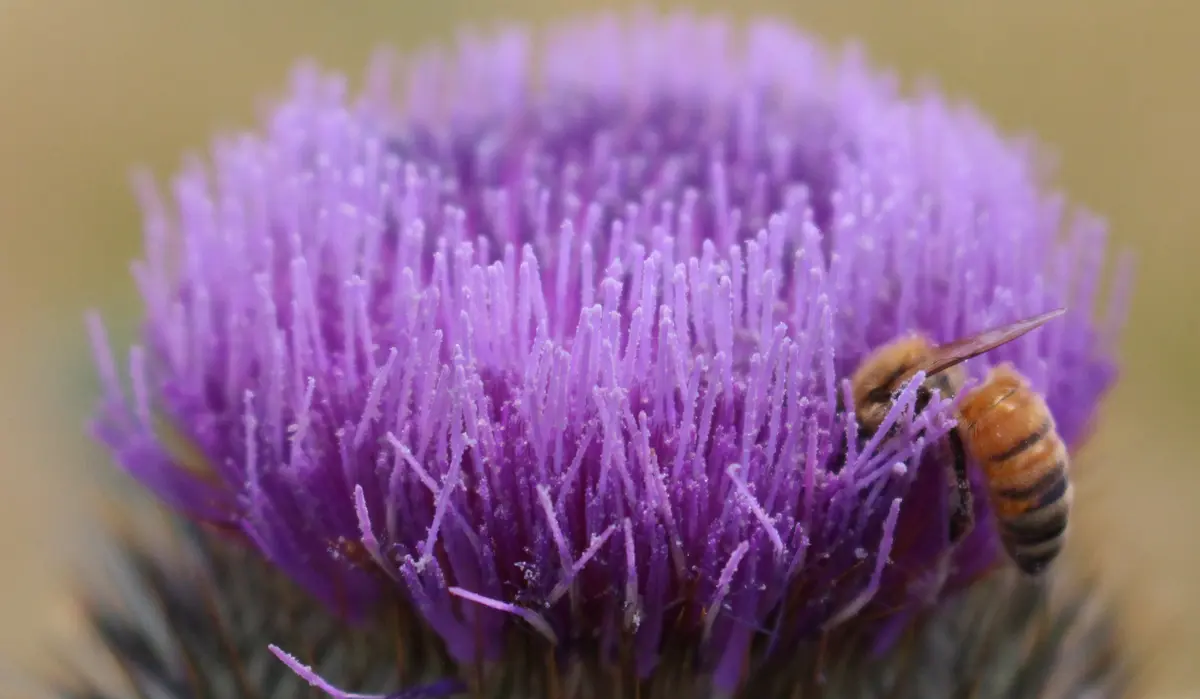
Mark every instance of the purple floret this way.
pixel 568 356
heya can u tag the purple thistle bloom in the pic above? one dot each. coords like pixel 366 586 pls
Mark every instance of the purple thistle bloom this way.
pixel 559 344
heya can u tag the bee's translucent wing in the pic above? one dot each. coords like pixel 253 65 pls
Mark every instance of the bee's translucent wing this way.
pixel 945 356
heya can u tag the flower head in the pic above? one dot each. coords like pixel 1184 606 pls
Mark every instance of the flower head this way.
pixel 557 345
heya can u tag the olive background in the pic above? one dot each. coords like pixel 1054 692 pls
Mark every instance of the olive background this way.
pixel 91 89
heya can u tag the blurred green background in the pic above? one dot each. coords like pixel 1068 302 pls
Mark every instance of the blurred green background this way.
pixel 90 89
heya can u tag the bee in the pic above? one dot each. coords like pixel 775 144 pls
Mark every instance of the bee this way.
pixel 1003 425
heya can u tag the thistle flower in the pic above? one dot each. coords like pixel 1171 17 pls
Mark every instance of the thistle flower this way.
pixel 551 352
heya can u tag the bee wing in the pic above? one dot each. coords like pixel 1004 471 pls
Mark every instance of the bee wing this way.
pixel 945 356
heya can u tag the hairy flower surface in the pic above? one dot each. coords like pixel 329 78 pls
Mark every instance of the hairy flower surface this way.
pixel 553 347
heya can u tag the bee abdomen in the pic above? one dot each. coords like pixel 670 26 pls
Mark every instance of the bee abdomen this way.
pixel 1042 545
pixel 1025 444
pixel 1046 490
pixel 1035 537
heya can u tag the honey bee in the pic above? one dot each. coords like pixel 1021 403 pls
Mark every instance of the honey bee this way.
pixel 1003 424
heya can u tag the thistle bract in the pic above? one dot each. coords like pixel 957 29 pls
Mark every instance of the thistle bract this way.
pixel 558 344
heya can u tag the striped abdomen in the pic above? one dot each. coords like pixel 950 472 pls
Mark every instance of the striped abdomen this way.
pixel 1011 434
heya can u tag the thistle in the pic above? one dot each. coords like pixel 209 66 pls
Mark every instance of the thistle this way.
pixel 532 372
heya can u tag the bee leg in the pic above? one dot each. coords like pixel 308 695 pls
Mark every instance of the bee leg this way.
pixel 962 519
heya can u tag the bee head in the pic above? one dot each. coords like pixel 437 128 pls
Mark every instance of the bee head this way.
pixel 883 372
